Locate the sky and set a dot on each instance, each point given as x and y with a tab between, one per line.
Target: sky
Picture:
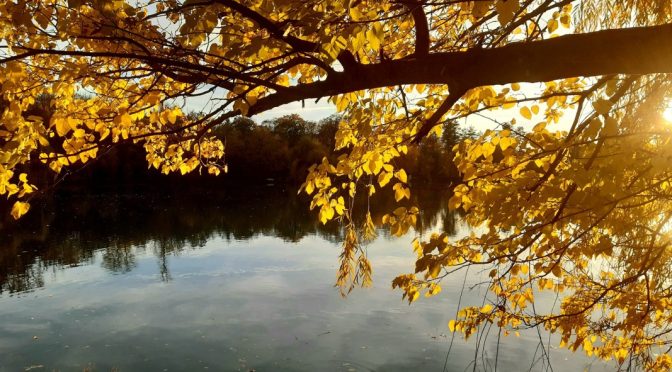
312	111
309	110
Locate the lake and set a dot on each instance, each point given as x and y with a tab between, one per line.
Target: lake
234	280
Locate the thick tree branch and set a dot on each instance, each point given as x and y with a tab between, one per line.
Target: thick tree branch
421	26
642	50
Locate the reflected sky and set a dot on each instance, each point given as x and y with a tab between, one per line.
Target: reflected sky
128	284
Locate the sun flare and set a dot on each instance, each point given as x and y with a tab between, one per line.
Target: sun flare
667	114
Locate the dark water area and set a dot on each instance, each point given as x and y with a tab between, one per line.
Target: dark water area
227	280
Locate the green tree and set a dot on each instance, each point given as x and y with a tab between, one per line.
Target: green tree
291	127
326	131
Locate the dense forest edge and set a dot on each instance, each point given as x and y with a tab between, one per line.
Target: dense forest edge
278	151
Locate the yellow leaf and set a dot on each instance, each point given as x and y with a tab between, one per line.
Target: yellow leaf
171	115
454	202
79	133
602	106
401	176
539	127
506	10
184	168
384	178
373	40
123	120
434	289
488	149
355	14
552	25
506	142
593	128
588	346
610	127
375	165
401	192
526	113
480	8
19	209
62	126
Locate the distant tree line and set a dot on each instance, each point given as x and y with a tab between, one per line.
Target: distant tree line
279	150
285	147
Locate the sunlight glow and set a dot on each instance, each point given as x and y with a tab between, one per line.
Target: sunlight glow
667	114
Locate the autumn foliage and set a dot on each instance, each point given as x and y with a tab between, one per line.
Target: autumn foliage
576	203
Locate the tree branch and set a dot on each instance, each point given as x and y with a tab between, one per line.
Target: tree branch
453	96
642	50
274	29
421	26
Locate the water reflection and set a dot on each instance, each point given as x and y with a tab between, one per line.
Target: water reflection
66	230
230	280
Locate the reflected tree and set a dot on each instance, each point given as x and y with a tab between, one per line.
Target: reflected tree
73	230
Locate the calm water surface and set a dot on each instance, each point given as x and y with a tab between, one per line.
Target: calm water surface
224	281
